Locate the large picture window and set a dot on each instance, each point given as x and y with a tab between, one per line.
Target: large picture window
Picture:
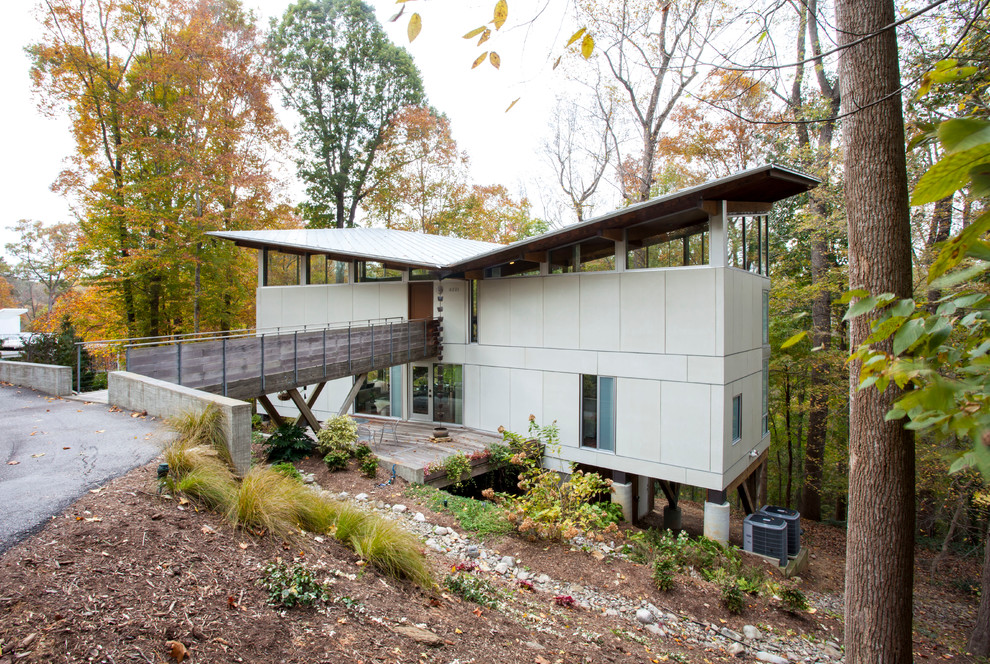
746	243
448	393
323	270
375	396
598	412
281	269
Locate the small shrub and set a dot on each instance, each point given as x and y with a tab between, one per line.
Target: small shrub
292	586
339	434
794	600
256	422
369	466
349	522
288	443
732	597
314	513
499	454
287	469
337	460
663	573
473	589
362	452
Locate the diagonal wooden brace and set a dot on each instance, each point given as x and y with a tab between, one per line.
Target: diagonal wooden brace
271	410
304	410
309	403
349	399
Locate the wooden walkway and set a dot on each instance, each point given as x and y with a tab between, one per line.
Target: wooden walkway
246	367
408	446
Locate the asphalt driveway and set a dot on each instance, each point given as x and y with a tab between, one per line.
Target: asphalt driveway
54	450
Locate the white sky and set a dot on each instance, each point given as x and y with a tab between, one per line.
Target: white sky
504	147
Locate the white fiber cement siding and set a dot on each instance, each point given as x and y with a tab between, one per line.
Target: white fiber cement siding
678	344
319	305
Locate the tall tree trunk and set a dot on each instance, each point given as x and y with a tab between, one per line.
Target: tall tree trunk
941	226
880	537
821	328
979	641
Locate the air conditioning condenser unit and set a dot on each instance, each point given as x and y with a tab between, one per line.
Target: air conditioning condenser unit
765	535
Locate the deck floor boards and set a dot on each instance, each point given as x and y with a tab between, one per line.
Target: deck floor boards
408	445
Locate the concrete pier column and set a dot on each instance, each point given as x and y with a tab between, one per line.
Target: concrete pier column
672	518
622	494
717	517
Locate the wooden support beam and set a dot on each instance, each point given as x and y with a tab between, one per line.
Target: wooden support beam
749	471
746	498
271	410
309	402
614	234
304	409
349	399
535	256
671	491
740	208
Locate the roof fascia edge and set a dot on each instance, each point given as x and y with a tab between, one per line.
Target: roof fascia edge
336	255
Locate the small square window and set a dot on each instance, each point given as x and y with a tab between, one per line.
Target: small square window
736	418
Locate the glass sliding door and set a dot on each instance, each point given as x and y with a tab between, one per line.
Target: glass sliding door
448	393
422	393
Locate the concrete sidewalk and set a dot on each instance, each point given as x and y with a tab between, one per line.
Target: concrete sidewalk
62	449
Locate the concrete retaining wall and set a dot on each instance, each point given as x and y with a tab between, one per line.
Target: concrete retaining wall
47	378
163	399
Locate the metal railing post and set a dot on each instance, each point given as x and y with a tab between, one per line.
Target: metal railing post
408	341
391	345
372	345
295	356
178	360
78	367
349	348
324	353
263	364
223	350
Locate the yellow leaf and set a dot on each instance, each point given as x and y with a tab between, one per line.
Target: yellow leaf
484	36
474	33
512	104
576	36
495	60
415	25
481	58
501	13
587	46
557	63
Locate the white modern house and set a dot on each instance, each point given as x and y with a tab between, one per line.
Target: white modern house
642	333
11	336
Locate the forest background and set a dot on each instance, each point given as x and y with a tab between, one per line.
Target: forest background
173	108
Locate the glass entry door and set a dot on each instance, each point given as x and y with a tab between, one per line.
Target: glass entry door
422	392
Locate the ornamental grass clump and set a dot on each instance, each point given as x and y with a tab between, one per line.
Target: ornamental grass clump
200	429
273	501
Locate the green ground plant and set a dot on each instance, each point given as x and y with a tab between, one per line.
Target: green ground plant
480	517
339	434
287	469
362	452
473	589
732	597
288	443
294	585
201	429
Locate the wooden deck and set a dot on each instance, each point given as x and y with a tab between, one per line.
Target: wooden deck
408	446
245	367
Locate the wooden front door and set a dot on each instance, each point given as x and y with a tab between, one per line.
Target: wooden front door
420	300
